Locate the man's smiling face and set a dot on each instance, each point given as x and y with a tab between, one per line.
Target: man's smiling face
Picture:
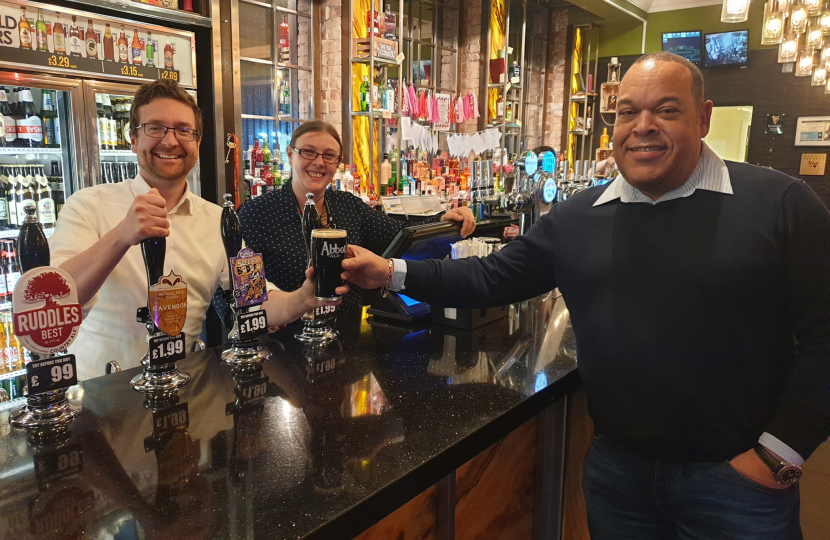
165	160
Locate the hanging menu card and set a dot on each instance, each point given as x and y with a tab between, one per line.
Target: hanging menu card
71	41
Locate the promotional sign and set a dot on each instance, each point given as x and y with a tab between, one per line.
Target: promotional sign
51	374
45	310
775	124
252	324
166	349
813	131
248	278
71	41
168	304
443	122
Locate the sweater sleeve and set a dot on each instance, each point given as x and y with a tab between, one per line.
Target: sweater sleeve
522	270
802	419
377	229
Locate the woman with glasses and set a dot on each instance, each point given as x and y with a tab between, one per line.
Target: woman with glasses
271	222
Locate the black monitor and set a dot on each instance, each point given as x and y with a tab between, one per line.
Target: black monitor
421	242
685	44
726	48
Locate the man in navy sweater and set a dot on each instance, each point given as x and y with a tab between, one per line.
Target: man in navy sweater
699	293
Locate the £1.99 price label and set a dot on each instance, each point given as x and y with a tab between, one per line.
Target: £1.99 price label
165	349
252	324
51	374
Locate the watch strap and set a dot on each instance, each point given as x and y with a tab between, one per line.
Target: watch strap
769	460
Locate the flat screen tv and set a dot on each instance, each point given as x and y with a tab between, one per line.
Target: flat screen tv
726	48
685	44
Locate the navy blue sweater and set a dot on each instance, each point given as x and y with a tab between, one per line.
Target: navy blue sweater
701	322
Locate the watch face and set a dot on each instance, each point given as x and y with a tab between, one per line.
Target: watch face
789	474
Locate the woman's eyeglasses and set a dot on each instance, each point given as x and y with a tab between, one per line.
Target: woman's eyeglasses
311	155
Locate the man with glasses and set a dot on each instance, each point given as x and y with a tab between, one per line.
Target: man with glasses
99	231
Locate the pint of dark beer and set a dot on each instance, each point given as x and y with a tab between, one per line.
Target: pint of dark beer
328	249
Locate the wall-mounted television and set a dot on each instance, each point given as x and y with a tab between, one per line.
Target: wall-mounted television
726	48
685	44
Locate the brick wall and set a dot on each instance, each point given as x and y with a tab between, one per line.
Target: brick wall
557	71
469	45
331	76
769	91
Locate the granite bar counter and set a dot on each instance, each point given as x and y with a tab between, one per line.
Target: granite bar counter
391	432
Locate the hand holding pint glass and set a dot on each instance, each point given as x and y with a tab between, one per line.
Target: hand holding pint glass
328	249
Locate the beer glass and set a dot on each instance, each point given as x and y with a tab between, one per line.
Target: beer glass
328	249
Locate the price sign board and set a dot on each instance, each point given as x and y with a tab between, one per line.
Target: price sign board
51	374
171	419
165	349
248	278
59	463
141	52
252	324
46	313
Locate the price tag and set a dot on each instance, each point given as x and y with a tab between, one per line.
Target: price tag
519	123
252	392
324	366
51	374
165	349
59	463
387	114
252	324
399	58
507	87
324	310
166	421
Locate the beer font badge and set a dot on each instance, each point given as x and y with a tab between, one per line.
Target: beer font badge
46	312
168	304
248	278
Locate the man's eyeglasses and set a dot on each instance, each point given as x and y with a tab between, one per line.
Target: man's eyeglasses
157	131
311	155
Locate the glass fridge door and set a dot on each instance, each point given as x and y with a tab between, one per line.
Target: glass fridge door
107	117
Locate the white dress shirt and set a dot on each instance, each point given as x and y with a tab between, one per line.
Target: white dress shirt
194	251
710	174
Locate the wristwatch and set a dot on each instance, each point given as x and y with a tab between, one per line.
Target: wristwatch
786	473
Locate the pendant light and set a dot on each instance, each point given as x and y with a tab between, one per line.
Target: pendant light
819	76
804	64
773	29
788	49
734	11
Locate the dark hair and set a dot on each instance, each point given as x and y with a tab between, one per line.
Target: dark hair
316	126
697	76
163	88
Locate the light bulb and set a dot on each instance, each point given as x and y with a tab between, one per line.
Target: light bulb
773	27
736	7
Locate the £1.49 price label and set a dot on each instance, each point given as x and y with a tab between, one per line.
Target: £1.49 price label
165	349
252	324
51	374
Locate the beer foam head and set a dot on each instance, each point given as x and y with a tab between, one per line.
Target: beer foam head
328	233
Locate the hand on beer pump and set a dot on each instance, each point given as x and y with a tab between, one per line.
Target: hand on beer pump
365	269
146	218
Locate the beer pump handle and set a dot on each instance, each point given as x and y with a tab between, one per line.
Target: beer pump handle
153	251
311	221
231	228
32	246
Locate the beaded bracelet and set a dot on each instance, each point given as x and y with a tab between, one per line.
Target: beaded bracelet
384	291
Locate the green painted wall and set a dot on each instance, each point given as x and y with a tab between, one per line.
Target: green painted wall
623	38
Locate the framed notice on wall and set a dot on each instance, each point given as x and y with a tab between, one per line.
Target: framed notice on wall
813	131
812	164
77	43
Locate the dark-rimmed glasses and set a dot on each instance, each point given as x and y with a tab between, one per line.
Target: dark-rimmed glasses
311	155
157	131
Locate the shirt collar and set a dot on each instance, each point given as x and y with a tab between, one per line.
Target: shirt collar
710	174
139	186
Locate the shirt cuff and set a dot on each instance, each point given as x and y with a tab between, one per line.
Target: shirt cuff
775	445
398	275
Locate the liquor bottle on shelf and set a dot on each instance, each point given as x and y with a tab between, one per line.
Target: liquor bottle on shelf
128	105
168	55
47	117
286	99
135	49
103	123
112	127
41	38
150	50
373	199
500	107
11	196
25	194
348	179
91	41
59	35
109	48
123	48
589	121
285	44
373	22
4	203
389	99
56	184
604	138
358	187
9	128
365	98
508	114
385	174
45	203
515	73
25	30
12	268
76	40
389	23
375	95
29	125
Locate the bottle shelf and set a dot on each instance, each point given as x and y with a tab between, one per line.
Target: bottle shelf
379	114
378	61
13	233
12	374
583	97
22	150
117	153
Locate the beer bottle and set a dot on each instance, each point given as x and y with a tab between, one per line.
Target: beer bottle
128	105
45	202
168	55
111	127
32	244
13	273
25	30
41	38
109	51
231	228
9	127
118	105
29	126
76	41
11	197
150	50
91	41
4	203
103	123
123	53
4	367
4	273
58	35
135	49
48	115
56	184
25	194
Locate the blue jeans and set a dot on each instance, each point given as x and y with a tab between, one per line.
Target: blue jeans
632	497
